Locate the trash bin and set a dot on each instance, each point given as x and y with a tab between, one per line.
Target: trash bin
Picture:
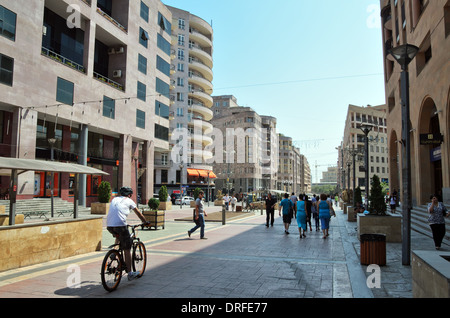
373	249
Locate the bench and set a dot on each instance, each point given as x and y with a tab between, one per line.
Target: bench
38	213
63	212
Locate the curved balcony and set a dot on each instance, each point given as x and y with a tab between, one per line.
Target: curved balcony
206	127
201	82
201	68
200	24
203	111
198	37
206	99
386	16
202	55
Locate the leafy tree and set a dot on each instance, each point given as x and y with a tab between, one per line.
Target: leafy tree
104	192
196	193
358	196
162	194
153	204
377	203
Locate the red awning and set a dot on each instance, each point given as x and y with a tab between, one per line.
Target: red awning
203	173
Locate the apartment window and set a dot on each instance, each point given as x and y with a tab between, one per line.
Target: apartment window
109	107
181	54
180	39
143	37
141	91
162	110
164	24
180	67
162	65
6	70
140	119
144	11
181	24
64	91
163	44
180	112
161	132
180	81
142	64
7	23
180	97
162	88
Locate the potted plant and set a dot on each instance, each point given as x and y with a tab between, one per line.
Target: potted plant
104	196
154	217
163	203
378	221
219	201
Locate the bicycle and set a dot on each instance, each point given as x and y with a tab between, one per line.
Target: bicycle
114	264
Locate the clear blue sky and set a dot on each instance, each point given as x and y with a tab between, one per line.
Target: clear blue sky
301	61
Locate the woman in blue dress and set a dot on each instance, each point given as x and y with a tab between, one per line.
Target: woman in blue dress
324	214
301	216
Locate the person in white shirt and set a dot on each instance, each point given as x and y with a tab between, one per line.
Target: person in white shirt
227	201
116	223
233	202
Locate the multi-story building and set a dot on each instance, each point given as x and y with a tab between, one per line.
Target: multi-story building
85	81
425	24
354	142
191	88
246	159
330	175
294	173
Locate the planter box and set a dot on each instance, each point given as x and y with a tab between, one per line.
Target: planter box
351	214
430	274
99	208
390	225
156	218
4	219
165	206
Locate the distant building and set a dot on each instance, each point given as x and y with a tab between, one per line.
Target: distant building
330	176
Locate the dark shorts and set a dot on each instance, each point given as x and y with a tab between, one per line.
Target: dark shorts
124	236
287	218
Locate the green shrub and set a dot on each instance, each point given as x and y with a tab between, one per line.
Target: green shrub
104	192
163	194
153	204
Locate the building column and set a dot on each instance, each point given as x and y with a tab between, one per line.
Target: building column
125	162
148	153
82	160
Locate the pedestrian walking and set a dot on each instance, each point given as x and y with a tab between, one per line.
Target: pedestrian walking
308	212
294	200
233	202
392	203
227	201
199	217
286	206
301	216
315	212
324	207
336	200
437	211
270	209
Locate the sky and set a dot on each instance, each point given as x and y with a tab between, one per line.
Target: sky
301	61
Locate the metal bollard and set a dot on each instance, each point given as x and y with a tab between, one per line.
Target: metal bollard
223	215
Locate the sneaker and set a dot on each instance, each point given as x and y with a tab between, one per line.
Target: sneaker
189	233
203	238
133	275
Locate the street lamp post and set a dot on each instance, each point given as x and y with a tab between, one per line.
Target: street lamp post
404	54
366	128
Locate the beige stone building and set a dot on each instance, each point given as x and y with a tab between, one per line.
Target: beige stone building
85	81
425	24
294	173
191	77
246	157
354	142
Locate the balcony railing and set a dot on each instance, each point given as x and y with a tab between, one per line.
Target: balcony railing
63	60
112	20
108	81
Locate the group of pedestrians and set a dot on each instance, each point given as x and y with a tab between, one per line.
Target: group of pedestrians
303	209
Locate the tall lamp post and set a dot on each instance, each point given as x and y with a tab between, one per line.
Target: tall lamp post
366	128
404	54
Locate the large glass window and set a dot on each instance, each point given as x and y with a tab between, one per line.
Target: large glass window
162	88
164	23
7	23
109	107
6	70
143	37
163	44
141	91
161	132
162	65
144	11
142	64
162	110
140	119
64	91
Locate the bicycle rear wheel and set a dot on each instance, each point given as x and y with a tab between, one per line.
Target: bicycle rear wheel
139	258
111	272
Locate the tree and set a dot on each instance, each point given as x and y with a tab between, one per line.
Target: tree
196	193
162	194
358	196
376	198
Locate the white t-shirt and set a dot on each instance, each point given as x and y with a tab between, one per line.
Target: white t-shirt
118	211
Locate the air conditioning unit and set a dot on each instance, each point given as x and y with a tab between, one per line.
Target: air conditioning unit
117	73
111	51
120	50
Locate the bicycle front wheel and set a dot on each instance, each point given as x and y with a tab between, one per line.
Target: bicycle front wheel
139	258
111	272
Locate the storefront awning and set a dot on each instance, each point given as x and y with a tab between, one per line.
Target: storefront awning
192	172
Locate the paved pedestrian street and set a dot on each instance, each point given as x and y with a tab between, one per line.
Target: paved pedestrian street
242	259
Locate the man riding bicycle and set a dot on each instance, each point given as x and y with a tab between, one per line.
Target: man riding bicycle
116	224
